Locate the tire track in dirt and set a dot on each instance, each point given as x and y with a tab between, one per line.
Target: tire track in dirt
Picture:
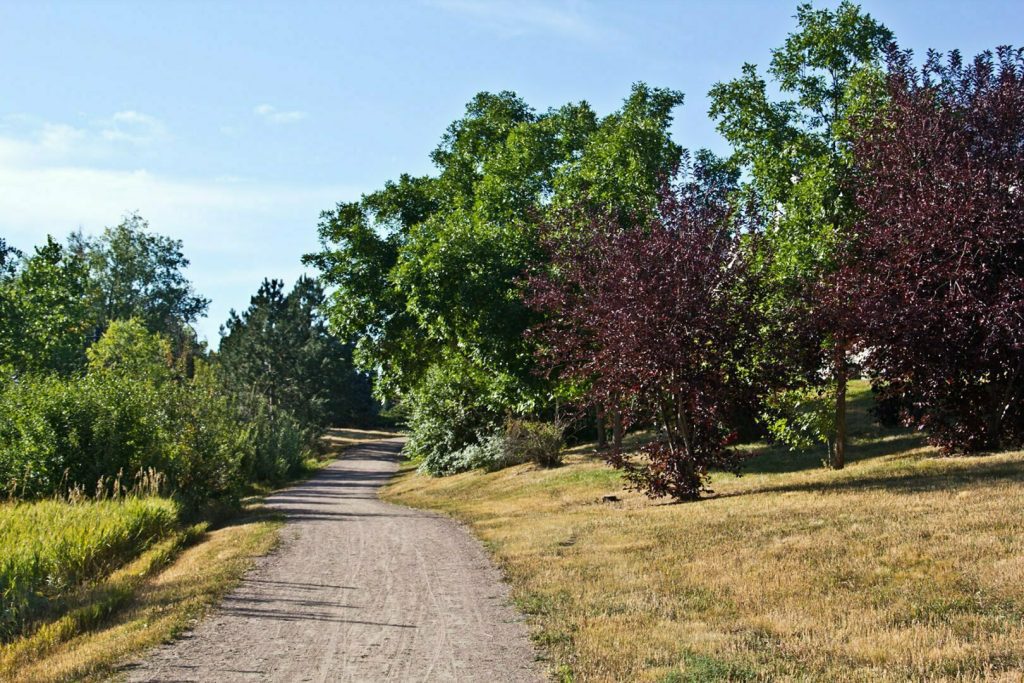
360	590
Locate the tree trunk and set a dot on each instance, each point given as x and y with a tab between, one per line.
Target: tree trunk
838	454
683	421
602	434
617	427
995	419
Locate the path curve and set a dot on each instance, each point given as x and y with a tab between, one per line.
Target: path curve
360	590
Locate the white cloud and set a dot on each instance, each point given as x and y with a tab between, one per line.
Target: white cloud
271	114
26	140
59	137
43	143
132	127
133	117
220	217
521	17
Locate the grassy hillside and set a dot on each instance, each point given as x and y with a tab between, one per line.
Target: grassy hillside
903	566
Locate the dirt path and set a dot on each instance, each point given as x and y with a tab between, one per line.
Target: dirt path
360	590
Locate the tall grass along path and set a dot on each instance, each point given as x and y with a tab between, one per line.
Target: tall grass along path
360	590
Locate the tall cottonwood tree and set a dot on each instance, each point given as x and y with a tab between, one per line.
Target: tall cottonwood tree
797	154
426	272
140	274
625	160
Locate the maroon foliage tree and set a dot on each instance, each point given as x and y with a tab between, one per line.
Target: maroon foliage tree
938	268
654	319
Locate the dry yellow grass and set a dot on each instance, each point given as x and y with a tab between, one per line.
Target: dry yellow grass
904	566
144	603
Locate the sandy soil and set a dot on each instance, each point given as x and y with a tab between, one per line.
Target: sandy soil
360	590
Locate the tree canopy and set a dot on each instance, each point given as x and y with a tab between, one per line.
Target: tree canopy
797	155
280	348
46	316
428	270
654	318
937	270
136	273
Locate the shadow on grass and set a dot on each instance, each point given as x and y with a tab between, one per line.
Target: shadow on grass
779	460
902	481
867	440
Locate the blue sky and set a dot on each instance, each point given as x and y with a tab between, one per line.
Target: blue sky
231	125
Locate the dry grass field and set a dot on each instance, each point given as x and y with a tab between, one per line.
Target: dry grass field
904	566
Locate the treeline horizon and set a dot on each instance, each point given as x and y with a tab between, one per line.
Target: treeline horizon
105	389
866	222
588	272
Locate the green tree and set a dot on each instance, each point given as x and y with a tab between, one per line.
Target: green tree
796	152
128	348
625	159
426	268
280	348
458	269
46	318
430	266
427	273
135	273
8	256
361	242
8	311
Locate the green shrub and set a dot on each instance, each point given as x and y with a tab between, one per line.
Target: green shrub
97	433
49	548
532	441
278	445
489	453
518	442
134	412
208	445
57	434
450	410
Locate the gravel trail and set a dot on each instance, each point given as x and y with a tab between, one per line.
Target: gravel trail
360	590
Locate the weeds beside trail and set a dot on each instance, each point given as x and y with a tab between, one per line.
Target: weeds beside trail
146	602
904	566
91	584
52	547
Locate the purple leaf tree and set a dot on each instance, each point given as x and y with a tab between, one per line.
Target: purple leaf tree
653	319
937	273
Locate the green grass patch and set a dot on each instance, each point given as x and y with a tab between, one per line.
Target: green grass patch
50	548
112	578
699	668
